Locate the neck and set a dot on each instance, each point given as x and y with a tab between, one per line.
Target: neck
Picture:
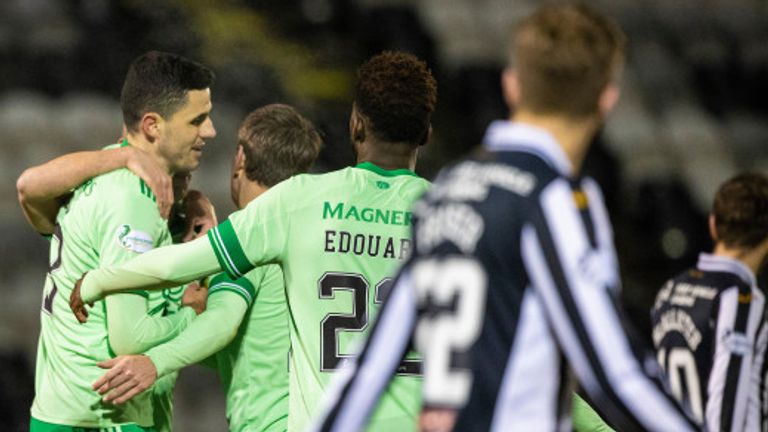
752	258
389	156
249	191
573	135
140	142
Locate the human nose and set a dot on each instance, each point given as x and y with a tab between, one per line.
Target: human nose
207	130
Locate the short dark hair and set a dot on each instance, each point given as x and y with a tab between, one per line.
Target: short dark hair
278	143
397	93
565	55
741	211
159	82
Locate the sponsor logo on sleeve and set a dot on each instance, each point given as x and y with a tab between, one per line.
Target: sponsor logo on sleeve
736	343
133	240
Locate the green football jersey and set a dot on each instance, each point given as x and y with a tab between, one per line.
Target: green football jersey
585	418
254	367
339	237
109	219
164	303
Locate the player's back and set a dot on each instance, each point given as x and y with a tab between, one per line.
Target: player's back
482	208
347	244
702	315
89	235
489	230
338	237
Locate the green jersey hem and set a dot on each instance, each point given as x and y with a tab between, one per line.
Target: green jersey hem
383	172
36	425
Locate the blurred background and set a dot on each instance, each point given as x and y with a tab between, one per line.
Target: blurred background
693	113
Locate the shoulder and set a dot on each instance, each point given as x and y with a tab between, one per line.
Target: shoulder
327	179
121	199
298	191
473	179
121	183
706	285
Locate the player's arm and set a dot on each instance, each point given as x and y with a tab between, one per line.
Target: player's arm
738	318
131	329
157	269
228	302
127	226
358	385
581	309
261	230
41	189
210	332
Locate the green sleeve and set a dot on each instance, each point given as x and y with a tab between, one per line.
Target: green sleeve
160	268
130	225
131	330
209	333
586	419
256	235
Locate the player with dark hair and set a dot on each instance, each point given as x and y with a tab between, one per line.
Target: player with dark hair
513	278
338	237
107	220
706	320
274	143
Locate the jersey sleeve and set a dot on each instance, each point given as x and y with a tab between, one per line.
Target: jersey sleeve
728	390
357	386
154	270
244	287
256	235
131	330
129	226
207	334
580	307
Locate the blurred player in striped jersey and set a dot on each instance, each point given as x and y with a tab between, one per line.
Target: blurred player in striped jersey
512	284
274	143
109	219
707	320
338	238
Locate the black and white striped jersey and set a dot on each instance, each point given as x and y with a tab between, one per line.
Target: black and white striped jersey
705	327
511	287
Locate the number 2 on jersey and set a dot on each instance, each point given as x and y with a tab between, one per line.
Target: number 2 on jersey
451	296
49	293
357	321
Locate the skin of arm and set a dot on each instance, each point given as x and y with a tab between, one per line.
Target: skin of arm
42	189
211	331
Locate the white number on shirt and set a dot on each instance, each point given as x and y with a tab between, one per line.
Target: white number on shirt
451	294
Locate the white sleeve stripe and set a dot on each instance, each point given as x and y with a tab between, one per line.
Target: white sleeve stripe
537	269
756	397
520	394
723	391
601	219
